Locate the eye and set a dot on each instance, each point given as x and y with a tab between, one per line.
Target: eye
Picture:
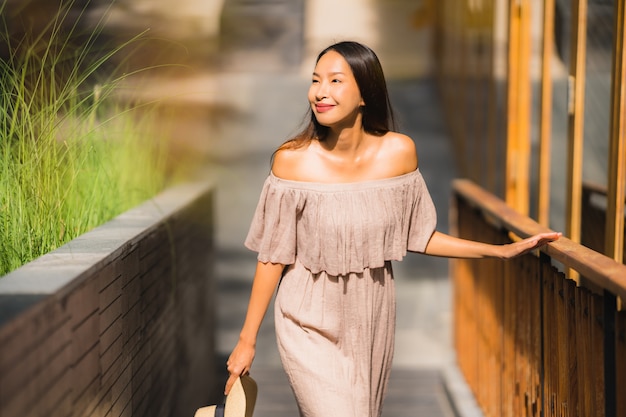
314	81
336	80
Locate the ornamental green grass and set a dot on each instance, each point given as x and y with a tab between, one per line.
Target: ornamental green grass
71	157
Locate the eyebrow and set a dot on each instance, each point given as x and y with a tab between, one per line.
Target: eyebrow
332	73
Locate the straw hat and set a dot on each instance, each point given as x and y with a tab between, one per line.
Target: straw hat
238	403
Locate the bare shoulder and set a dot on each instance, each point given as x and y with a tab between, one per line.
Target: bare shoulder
287	162
400	149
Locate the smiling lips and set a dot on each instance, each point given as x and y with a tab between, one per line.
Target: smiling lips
321	108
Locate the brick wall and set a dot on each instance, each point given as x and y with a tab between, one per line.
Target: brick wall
119	322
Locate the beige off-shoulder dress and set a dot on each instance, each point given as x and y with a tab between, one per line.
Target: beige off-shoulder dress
335	305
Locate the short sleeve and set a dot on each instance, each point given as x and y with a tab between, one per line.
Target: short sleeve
273	230
422	218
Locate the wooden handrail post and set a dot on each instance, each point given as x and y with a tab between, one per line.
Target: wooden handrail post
614	232
545	124
576	116
518	107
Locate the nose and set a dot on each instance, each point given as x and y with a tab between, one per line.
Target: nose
321	90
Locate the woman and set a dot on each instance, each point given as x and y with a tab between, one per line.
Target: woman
344	198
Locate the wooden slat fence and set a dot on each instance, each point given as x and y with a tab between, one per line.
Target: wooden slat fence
529	341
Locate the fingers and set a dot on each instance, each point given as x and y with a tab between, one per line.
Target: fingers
229	383
530	244
234	374
235	370
231	380
544	238
549	235
541	239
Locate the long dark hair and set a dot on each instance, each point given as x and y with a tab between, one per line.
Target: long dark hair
378	117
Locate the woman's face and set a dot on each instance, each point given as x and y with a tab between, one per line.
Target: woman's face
334	94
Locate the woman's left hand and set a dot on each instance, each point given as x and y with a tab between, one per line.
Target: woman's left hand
529	244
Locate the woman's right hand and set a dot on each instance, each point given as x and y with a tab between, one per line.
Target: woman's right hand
239	362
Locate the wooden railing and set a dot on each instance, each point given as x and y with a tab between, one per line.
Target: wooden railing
530	341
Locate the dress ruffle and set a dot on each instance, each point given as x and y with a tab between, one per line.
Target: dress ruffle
342	228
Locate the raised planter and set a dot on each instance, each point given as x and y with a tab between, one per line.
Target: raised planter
118	322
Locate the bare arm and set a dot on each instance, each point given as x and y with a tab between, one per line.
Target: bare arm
265	281
444	245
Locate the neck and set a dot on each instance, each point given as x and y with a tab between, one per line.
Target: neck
346	141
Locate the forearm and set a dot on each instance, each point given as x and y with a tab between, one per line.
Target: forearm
265	281
441	244
448	246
